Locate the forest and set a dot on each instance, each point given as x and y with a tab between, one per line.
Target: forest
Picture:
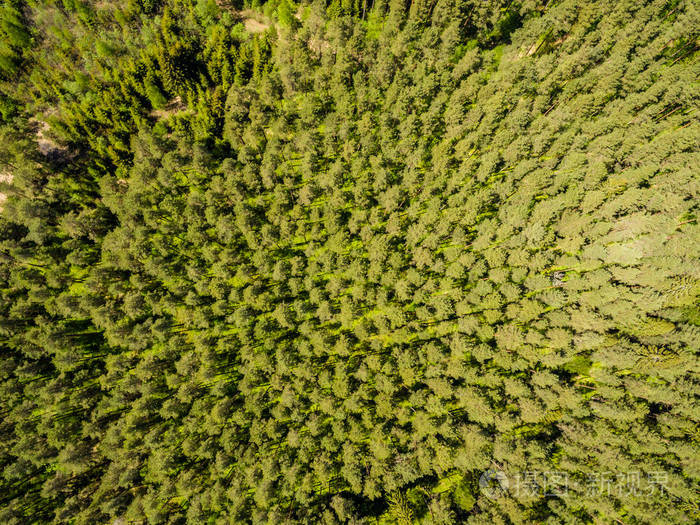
349	261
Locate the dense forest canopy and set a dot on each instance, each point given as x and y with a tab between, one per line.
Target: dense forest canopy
428	261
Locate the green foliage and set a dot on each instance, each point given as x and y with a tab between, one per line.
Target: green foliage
15	40
155	95
285	14
400	509
335	270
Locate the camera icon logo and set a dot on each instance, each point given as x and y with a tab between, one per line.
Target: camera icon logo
493	484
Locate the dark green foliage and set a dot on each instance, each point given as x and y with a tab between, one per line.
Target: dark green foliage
336	269
15	40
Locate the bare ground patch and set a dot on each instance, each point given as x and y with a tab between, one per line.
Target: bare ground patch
254	26
253	21
5	177
171	108
47	145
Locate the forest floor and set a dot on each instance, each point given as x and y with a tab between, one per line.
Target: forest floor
46	145
4	177
173	106
253	21
44	142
